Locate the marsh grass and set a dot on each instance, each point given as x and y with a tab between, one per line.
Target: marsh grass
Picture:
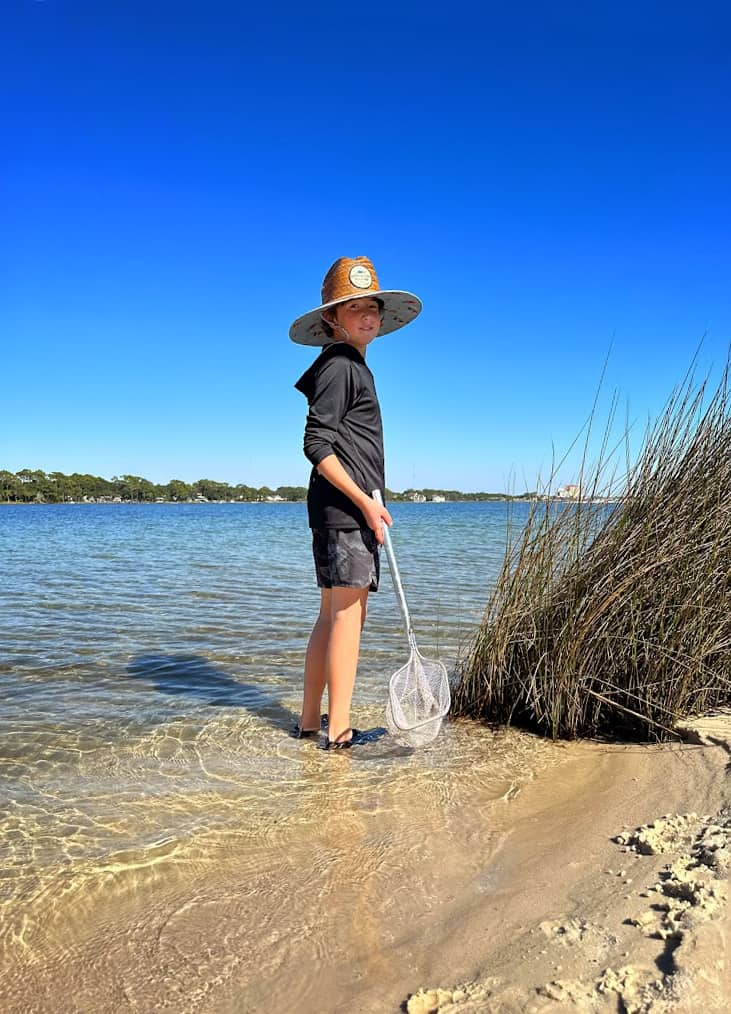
612	613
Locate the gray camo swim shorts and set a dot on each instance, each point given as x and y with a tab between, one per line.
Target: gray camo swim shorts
346	559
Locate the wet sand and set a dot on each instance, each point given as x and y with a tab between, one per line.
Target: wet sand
469	889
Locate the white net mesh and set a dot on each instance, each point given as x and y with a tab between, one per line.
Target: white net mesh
418	700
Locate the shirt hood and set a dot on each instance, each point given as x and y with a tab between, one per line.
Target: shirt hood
306	383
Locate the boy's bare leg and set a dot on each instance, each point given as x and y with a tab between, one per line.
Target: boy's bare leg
316	664
347	615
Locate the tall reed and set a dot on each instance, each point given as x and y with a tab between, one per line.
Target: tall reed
615	617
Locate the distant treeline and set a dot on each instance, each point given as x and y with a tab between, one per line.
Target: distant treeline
35	486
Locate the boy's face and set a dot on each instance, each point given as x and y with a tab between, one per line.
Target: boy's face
361	318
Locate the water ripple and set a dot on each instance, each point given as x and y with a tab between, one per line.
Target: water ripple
150	667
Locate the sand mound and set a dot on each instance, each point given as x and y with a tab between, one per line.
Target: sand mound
469	998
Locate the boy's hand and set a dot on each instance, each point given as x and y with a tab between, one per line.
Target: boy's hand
375	514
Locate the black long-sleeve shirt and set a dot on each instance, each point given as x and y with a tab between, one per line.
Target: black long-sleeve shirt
345	420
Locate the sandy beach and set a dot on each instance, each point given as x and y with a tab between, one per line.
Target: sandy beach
598	884
611	895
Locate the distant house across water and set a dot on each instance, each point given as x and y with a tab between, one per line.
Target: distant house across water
571	491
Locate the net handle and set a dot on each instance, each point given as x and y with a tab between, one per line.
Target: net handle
396	577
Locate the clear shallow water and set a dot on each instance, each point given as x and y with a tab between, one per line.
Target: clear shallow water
150	666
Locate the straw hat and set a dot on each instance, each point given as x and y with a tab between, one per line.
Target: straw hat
353	278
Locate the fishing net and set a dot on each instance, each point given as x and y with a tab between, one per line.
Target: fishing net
418	699
418	692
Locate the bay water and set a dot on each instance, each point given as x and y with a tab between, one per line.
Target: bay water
163	842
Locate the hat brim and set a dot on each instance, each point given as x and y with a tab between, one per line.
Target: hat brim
399	309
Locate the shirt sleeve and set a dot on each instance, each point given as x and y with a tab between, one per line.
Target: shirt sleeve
331	398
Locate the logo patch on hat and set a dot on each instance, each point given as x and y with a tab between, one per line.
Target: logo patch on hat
360	277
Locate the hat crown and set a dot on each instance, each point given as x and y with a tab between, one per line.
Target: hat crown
348	278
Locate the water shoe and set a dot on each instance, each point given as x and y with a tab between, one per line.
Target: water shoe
298	733
358	737
344	744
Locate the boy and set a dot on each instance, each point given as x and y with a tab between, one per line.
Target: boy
344	442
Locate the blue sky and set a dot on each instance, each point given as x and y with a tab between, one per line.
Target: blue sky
177	177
